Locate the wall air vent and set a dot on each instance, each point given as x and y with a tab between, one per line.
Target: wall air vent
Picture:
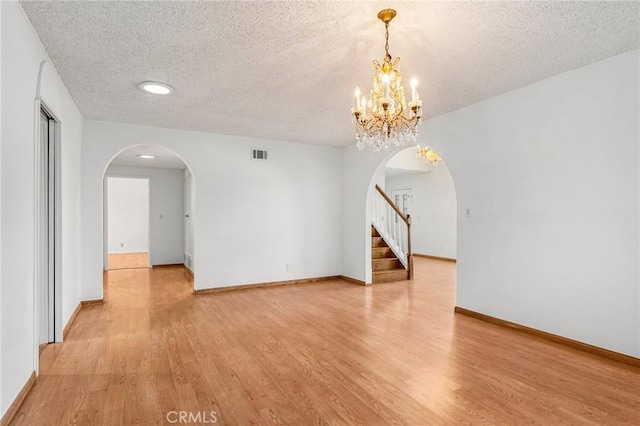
258	154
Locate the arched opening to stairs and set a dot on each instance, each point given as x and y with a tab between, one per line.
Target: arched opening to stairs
408	188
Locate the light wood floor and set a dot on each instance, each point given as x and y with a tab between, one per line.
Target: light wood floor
128	260
327	353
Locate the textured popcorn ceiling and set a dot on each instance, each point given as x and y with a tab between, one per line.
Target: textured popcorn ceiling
287	70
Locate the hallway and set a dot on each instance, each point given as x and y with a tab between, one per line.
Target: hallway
325	353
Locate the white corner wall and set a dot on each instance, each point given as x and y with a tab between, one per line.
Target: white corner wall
22	54
128	215
433	211
166	198
361	170
2	409
551	174
253	218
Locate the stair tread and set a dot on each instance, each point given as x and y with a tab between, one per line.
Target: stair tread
380	277
385	271
388	271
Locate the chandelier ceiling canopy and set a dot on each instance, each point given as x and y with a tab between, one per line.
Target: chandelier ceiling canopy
384	120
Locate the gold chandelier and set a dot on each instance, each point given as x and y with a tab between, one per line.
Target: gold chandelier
384	120
428	155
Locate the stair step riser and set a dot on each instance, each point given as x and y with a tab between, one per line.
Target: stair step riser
386	264
378	242
380	252
390	276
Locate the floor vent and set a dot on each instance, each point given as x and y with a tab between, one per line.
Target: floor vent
258	154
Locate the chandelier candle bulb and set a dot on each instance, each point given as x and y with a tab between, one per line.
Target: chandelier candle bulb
385	80
364	107
414	85
357	95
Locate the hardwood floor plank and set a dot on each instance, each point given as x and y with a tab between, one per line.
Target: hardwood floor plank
128	260
325	354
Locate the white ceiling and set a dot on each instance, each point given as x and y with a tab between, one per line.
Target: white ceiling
287	70
164	158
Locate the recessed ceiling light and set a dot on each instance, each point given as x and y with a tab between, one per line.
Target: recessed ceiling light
156	87
146	156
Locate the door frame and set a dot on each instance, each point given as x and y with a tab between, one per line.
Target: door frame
188	232
105	214
409	197
53	240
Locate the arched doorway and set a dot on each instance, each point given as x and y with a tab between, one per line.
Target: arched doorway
158	177
424	191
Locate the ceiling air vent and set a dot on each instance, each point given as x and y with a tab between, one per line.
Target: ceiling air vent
258	154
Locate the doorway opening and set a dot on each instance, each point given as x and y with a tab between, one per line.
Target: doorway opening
425	193
48	270
127	222
160	232
189	210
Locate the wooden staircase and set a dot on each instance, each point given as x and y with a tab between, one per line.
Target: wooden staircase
385	265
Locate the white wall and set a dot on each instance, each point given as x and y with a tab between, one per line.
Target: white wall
128	215
360	173
407	159
551	174
166	195
2	409
21	56
253	217
380	180
433	211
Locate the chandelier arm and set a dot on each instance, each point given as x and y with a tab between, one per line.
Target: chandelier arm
371	124
400	105
362	126
406	124
399	122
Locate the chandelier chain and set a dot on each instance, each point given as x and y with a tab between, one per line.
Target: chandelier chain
386	38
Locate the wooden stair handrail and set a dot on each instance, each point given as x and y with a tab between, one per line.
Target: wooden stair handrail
392	204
